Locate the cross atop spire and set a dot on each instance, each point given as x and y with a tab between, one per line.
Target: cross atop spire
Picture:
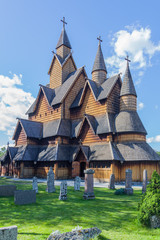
99	39
63	20
128	60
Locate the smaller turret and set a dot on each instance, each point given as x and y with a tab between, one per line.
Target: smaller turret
128	96
99	71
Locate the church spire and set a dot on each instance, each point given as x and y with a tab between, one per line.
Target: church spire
99	70
128	85
63	40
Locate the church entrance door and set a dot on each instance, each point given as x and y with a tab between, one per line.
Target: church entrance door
82	168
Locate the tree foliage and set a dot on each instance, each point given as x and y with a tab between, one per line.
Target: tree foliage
150	203
2	151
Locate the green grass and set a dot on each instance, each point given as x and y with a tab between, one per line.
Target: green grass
115	215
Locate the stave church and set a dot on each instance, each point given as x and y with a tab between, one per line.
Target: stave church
77	123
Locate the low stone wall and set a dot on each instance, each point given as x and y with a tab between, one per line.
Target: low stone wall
22	197
80	234
7	190
8	233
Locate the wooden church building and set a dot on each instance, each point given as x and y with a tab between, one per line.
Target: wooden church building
77	123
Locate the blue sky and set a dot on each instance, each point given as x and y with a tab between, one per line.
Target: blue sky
30	31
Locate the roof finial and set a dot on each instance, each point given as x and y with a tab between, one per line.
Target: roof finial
99	39
128	60
63	20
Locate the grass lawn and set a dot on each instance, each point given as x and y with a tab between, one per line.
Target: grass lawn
115	215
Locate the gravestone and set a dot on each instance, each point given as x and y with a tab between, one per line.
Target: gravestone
128	184
144	181
8	233
155	221
76	234
63	191
77	183
88	192
7	190
35	184
50	181
22	197
112	182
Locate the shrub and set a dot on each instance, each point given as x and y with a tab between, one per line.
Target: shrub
120	191
150	203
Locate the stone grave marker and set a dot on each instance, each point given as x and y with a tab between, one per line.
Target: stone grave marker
144	186
63	191
112	182
7	190
50	181
77	183
35	184
22	197
8	233
89	193
128	183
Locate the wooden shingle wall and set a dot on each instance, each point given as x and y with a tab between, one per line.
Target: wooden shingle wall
68	68
89	106
63	51
129	137
99	76
44	112
22	139
56	74
79	83
113	99
128	103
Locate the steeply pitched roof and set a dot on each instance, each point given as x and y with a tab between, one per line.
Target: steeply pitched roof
65	87
137	151
59	127
107	87
63	40
128	85
104	152
129	121
32	129
99	63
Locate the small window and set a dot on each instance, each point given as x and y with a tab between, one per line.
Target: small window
35	117
40	115
51	112
45	114
57	109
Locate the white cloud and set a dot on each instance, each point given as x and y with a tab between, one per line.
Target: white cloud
140	106
153	139
14	102
137	44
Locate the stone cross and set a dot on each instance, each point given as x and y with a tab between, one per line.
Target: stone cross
63	191
112	182
35	184
89	193
128	184
77	183
50	181
63	20
144	181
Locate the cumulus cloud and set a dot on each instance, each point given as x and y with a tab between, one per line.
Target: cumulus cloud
14	102
153	139
140	106
137	44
